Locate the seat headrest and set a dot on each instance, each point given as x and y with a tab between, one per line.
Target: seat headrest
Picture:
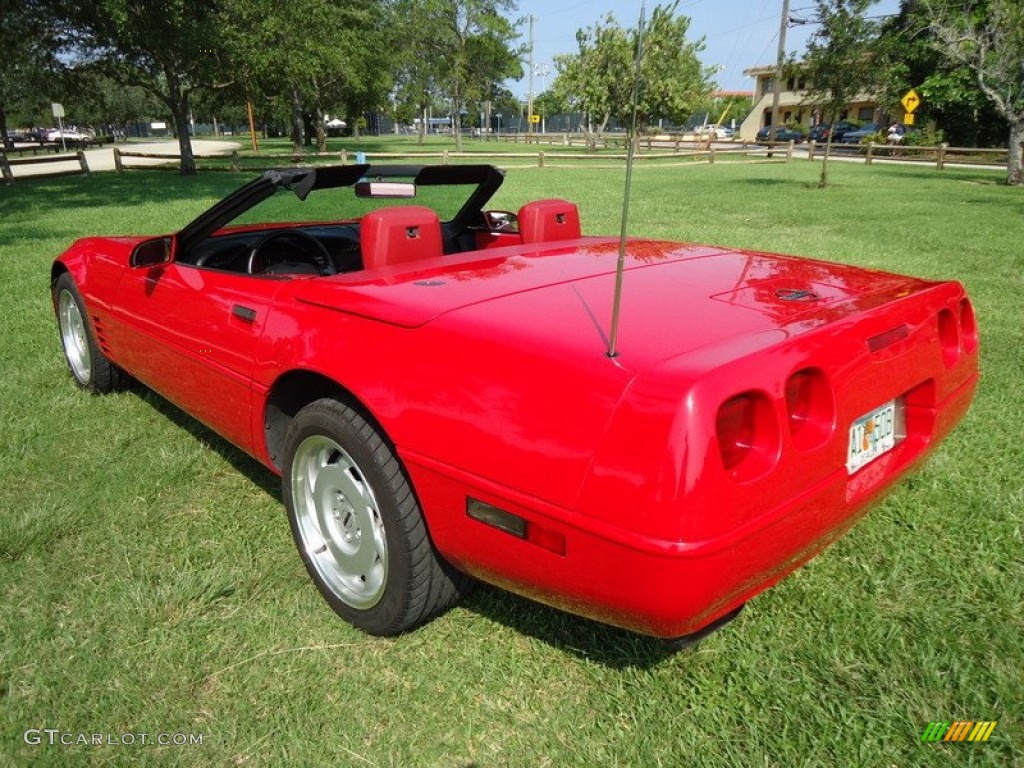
400	234
545	221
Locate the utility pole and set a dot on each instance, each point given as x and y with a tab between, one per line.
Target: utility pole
529	110
779	64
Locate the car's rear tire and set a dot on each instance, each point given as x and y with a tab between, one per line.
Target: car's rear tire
358	526
90	368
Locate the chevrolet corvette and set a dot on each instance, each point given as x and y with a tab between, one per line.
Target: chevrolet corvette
434	384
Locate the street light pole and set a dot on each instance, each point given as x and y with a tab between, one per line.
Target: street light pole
780	61
529	113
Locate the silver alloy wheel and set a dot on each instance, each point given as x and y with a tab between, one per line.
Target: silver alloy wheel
339	522
74	336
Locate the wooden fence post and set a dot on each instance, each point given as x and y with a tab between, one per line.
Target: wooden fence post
235	160
940	158
344	157
870	154
789	150
6	168
810	150
711	155
84	163
540	159
118	165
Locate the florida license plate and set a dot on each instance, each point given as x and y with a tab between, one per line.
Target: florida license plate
872	435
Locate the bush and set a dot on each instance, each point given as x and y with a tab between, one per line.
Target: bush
926	138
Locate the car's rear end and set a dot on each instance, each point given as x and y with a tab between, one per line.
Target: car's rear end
799	392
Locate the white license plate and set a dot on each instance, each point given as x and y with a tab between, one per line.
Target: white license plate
872	435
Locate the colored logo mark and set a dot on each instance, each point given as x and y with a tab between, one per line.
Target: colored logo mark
962	730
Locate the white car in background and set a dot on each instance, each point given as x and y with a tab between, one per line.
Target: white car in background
68	134
715	131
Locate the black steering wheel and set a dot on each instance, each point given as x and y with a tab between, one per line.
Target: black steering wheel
297	247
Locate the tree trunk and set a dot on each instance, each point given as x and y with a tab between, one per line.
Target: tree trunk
457	123
823	181
1015	166
321	132
177	102
6	142
296	122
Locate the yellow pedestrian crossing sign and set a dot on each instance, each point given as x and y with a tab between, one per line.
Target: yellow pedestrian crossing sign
910	101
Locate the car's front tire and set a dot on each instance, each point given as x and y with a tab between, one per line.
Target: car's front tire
90	368
357	524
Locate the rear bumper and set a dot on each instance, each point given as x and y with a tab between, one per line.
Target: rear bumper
650	585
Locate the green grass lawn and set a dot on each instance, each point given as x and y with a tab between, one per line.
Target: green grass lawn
150	583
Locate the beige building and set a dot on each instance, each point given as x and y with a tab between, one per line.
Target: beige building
794	103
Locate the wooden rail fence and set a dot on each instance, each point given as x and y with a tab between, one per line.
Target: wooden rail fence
6	163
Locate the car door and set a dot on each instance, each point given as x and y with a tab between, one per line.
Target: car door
190	333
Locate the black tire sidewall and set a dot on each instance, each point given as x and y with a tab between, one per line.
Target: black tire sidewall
364	443
97	361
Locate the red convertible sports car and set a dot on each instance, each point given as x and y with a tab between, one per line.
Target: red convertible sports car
432	381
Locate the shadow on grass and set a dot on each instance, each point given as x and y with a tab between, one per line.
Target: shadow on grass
41	196
245	464
763	182
586	639
609	646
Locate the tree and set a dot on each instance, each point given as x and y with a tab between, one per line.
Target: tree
277	59
29	67
839	63
458	48
949	93
169	49
988	38
598	79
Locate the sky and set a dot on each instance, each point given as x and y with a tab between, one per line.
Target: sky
738	34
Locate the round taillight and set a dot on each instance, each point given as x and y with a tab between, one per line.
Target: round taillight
810	408
748	435
969	326
949	337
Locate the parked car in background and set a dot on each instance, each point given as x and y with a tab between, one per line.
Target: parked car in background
69	136
862	133
822	131
715	131
782	133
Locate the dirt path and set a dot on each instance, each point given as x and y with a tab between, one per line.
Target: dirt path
102	159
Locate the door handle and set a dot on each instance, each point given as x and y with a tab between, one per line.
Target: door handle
244	313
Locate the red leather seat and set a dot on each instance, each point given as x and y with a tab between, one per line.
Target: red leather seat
545	221
400	234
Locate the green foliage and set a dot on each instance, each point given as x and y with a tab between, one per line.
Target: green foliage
839	61
459	49
28	65
599	78
988	39
929	137
294	77
950	97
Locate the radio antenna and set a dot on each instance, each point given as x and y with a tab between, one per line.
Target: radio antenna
620	267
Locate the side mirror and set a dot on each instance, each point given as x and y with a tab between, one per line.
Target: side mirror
151	252
501	221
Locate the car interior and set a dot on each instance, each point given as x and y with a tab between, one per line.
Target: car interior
384	236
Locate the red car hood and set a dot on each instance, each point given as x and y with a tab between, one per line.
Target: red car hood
677	297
